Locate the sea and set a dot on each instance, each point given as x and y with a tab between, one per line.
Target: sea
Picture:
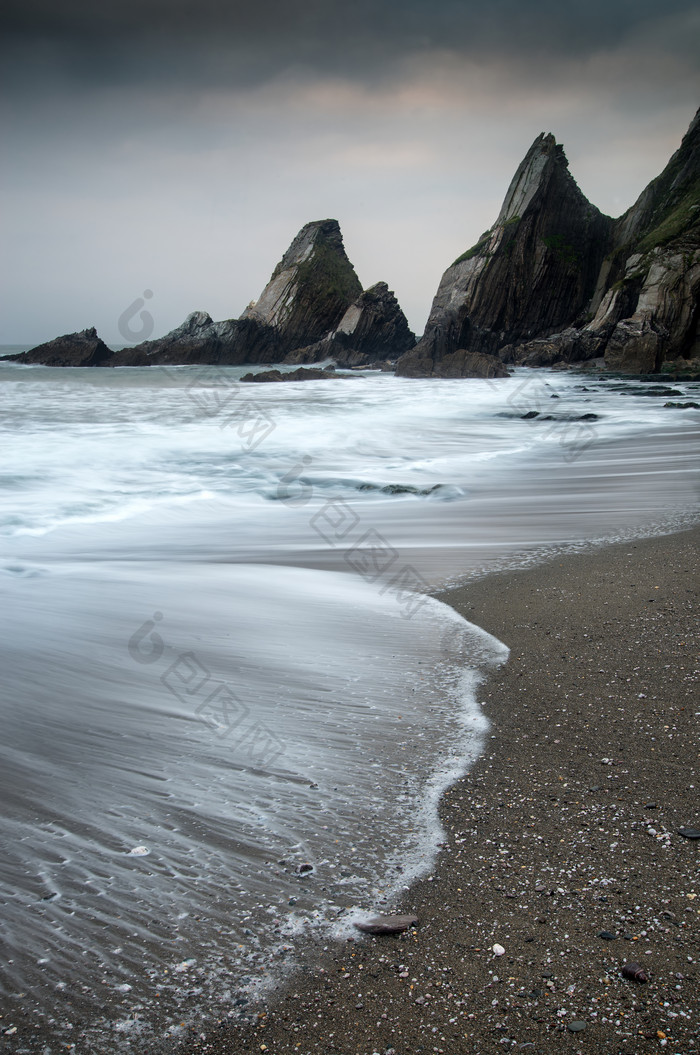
231	697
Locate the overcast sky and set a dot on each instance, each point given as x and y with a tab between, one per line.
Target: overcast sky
178	146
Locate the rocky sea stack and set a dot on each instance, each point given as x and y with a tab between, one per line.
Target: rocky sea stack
313	303
552	282
555	281
530	273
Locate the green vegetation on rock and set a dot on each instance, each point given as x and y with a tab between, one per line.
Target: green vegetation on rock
326	278
565	253
676	221
476	250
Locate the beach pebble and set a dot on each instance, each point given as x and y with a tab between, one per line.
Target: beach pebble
607	934
634	972
498	949
139	851
576	1027
689	833
386	924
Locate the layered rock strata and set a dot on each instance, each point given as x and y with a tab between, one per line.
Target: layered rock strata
554	281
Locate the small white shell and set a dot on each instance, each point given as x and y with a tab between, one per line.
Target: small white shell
498	949
139	851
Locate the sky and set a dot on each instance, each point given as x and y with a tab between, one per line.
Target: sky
177	147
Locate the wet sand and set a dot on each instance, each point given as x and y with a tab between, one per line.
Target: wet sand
566	827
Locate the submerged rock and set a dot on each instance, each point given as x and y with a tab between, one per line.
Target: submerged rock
293	375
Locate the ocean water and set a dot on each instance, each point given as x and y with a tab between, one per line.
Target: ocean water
229	700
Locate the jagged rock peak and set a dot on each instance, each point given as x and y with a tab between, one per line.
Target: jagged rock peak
197	324
528	177
310	289
544	159
643	316
318	232
376	323
531	273
373	328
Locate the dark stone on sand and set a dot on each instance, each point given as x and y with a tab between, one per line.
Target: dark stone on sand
576	1027
689	833
305	869
387	924
607	934
634	972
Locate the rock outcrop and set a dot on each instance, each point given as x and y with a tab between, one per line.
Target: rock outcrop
310	289
552	282
460	363
534	271
556	282
373	329
306	300
306	297
301	374
73	349
649	313
198	340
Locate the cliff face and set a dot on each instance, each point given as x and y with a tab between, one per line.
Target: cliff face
644	316
529	274
649	313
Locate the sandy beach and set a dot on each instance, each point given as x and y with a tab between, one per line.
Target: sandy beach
562	845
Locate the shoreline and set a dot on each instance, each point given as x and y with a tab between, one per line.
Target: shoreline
602	649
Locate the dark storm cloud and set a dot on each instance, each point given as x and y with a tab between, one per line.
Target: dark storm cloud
210	41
